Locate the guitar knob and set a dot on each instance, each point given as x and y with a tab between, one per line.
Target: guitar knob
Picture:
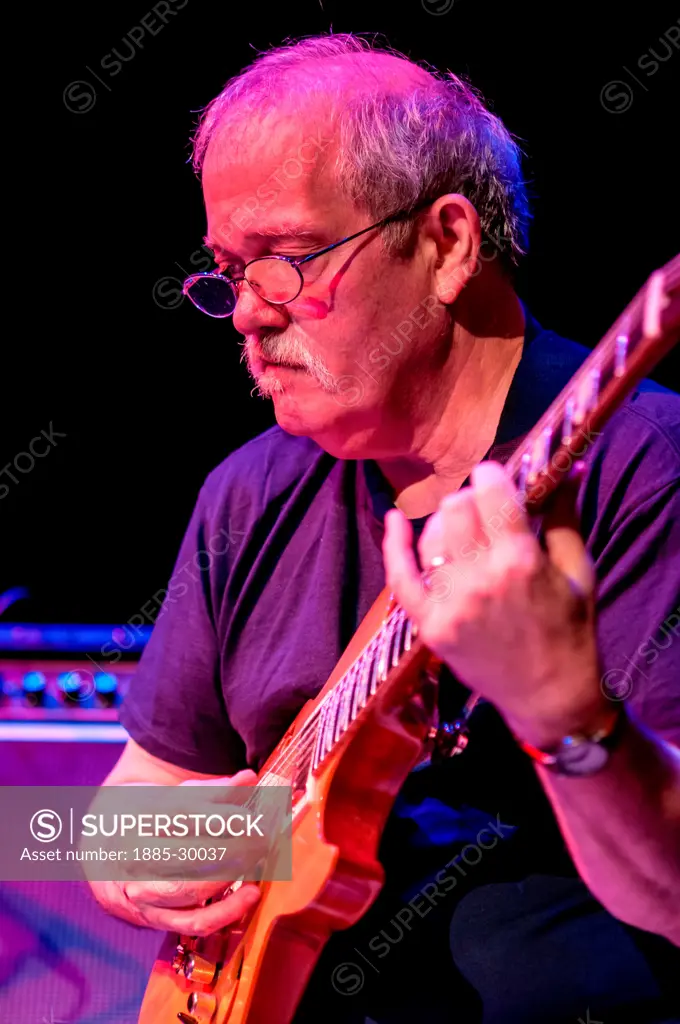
198	969
202	1005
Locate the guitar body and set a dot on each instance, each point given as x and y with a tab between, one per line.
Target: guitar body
337	826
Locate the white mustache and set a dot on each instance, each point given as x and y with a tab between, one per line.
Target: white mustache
291	350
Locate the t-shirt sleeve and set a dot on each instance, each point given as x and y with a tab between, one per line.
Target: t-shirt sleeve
174	707
632	499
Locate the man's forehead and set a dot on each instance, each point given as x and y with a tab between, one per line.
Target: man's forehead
283	191
264	148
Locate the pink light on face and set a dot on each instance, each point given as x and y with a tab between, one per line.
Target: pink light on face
313	308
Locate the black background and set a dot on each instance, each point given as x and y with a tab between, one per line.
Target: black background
151	398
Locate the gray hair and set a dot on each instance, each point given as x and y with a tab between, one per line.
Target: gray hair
398	145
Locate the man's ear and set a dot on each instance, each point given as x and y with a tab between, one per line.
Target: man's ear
455	230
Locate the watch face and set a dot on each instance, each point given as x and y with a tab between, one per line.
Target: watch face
582	758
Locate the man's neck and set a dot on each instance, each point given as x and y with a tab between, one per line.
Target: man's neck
478	378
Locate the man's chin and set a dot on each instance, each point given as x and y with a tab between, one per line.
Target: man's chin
299	413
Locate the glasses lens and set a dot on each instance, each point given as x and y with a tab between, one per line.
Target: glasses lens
212	295
273	279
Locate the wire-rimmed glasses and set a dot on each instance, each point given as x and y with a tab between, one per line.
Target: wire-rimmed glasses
276	279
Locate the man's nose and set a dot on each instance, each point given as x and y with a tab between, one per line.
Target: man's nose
253	312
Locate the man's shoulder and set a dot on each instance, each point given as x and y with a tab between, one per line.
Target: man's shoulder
656	411
631	488
263	470
642	439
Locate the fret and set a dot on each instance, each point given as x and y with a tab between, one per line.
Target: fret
361	695
653	302
375	663
523	472
382	660
316	760
621	355
300	768
595	380
398	648
342	688
354	706
411	633
589	390
568	422
347	685
329	724
541	453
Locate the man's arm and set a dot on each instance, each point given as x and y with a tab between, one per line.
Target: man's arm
519	630
136	766
622	827
175	714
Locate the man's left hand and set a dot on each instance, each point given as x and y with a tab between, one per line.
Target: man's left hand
514	623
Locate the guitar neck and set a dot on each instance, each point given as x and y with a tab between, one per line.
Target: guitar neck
643	334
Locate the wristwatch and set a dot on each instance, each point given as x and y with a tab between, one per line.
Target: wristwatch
581	753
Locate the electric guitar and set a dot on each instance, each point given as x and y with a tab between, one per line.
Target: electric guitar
349	751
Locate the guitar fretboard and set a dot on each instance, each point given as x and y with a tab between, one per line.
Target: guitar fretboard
352	693
344	702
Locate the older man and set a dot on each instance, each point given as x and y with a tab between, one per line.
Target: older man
403	369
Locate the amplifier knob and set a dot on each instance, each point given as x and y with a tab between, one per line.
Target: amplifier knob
33	685
106	687
73	686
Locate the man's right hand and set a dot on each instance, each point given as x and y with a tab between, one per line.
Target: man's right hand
178	906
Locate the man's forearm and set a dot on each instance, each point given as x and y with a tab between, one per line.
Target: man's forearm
622	826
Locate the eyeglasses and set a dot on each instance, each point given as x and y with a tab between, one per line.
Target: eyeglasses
276	279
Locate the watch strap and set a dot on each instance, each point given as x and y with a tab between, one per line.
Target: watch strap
556	758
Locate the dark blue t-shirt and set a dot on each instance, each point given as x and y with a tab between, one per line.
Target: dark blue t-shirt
483	918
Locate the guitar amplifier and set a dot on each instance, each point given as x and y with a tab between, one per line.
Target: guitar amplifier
62	958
